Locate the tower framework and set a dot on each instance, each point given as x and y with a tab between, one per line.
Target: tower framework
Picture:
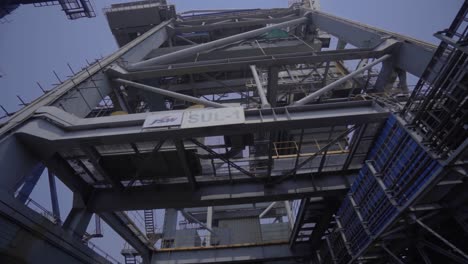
260	140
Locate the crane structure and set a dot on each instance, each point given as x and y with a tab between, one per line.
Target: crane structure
74	9
284	135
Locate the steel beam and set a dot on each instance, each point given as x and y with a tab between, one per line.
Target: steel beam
214	44
232	254
184	163
321	227
60	167
443	251
272	91
77	221
235	51
53	196
221	157
128	128
313	156
189	216
30	182
261	92
335	84
390	253
129	52
262	214
299	221
169	93
243	63
220	192
17	163
441	238
95	159
232	25
30	237
413	56
121	224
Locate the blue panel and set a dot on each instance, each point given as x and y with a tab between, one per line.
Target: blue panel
403	166
30	181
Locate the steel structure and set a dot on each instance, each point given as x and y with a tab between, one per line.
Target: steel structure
253	137
74	9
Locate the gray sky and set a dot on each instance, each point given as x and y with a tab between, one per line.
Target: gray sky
40	40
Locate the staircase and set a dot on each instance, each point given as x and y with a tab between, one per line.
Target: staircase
149	223
313	219
130	259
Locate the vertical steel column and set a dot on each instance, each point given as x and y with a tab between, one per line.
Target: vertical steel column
209	223
272	89
287	205
53	196
261	92
30	182
169	228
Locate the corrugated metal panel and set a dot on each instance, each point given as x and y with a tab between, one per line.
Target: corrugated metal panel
242	230
275	232
187	238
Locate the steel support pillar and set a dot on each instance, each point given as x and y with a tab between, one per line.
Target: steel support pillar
79	217
179	144
30	182
209	224
272	91
16	163
169	228
289	213
53	196
261	92
122	225
387	76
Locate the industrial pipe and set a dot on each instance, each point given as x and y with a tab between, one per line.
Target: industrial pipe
213	44
287	205
188	215
209	223
260	90
170	94
266	210
333	85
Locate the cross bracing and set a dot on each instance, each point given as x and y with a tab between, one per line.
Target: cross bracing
287	135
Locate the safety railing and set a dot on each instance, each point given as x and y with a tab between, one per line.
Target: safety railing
232	232
43	211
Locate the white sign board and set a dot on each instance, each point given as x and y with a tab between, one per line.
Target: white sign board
163	119
213	117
